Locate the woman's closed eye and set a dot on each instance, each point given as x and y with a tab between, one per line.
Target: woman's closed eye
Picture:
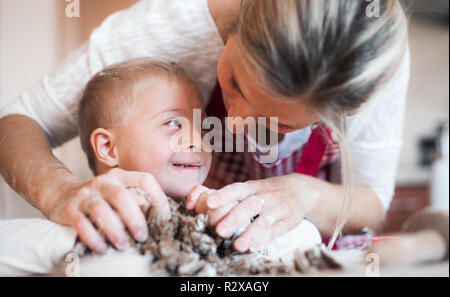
234	85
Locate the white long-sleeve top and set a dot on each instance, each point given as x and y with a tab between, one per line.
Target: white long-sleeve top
184	32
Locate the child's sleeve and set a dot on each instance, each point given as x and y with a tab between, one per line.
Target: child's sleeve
33	246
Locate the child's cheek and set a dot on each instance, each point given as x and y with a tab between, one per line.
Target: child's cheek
157	154
142	153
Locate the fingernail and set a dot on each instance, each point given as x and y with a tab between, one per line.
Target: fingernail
213	201
123	245
241	245
101	248
223	230
142	235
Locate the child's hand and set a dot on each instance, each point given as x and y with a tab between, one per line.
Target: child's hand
196	200
111	202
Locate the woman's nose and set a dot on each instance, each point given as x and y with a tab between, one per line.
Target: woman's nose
240	119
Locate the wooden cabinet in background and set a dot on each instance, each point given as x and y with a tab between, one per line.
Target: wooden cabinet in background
407	200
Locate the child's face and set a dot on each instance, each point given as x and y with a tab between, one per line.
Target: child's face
144	139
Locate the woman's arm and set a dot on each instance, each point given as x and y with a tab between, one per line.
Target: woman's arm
366	209
109	201
27	162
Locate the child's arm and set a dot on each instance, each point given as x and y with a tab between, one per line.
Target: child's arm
33	246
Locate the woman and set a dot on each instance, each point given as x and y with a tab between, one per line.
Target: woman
304	61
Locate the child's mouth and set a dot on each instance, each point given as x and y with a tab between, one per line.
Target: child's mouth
187	166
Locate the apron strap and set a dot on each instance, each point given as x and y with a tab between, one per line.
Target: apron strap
314	151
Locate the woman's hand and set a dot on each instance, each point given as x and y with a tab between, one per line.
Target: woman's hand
112	202
266	209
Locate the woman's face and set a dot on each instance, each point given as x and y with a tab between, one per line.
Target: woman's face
244	97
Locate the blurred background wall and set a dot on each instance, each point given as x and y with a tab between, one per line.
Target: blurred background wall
36	35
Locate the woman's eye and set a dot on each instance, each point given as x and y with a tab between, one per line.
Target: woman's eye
174	124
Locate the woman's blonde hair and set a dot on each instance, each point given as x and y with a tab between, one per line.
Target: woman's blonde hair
333	55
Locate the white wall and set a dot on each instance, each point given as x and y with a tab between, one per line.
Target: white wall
28	39
27	51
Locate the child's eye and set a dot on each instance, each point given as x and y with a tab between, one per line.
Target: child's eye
174	124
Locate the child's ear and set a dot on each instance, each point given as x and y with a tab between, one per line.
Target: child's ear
104	147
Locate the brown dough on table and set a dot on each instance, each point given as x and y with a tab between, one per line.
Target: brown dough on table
184	245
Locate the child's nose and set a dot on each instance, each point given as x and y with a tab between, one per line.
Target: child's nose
195	140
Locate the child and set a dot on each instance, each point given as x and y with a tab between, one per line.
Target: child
130	116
